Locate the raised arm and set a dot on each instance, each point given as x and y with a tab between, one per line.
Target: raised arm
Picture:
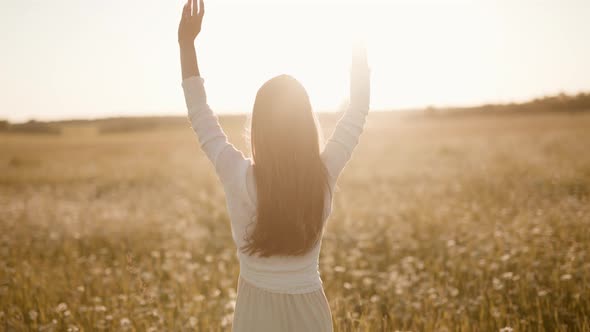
188	30
340	145
228	161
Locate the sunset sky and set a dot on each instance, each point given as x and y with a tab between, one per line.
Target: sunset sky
80	59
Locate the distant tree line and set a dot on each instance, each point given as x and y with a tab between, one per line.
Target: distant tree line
113	125
30	127
557	103
579	102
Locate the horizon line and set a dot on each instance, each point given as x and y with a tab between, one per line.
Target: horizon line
224	113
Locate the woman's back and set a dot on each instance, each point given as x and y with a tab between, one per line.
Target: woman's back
285	274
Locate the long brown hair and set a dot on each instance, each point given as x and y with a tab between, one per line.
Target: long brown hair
291	180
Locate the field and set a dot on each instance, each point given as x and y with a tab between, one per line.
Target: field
440	223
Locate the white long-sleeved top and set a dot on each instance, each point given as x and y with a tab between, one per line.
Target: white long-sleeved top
281	274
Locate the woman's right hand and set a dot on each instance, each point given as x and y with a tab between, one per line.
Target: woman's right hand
360	82
190	23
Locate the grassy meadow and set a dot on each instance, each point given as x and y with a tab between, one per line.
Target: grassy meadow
440	223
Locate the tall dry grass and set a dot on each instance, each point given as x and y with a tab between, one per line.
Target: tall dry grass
475	223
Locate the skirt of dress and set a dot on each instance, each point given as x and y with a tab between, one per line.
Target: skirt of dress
260	310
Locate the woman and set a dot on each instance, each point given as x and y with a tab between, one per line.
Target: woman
279	199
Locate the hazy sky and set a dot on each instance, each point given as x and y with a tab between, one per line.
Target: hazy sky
81	58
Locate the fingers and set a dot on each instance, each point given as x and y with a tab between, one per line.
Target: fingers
194	7
186	10
201	8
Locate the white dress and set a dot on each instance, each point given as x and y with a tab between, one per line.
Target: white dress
277	293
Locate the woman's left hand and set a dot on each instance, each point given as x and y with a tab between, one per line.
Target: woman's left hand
191	21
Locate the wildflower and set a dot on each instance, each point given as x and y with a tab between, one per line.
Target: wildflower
61	307
73	328
497	284
100	308
226	320
125	322
367	281
230	305
495	313
33	315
